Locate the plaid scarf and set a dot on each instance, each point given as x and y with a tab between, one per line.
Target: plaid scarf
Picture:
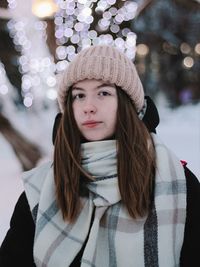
114	239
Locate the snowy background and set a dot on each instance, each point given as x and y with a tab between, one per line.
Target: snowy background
179	129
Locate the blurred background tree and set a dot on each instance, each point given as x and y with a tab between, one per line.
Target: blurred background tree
169	61
27	152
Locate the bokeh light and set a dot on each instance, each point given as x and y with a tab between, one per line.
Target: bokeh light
74	27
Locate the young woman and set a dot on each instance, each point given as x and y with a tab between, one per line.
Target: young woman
114	195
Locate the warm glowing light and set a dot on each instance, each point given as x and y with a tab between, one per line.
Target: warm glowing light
51	81
44	8
28	101
142	50
188	62
86	11
185	48
131	39
197	48
3	89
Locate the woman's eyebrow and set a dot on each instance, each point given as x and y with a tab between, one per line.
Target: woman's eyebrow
97	87
77	88
106	85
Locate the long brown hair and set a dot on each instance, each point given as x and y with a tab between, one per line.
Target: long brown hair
135	160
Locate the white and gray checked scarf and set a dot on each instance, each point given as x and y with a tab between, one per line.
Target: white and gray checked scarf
115	239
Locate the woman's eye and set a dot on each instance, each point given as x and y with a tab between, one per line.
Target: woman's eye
104	93
78	96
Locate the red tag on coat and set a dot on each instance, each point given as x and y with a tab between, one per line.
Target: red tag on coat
184	163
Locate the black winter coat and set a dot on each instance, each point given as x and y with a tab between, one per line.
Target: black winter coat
17	247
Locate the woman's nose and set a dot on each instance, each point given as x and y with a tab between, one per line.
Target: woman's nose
89	107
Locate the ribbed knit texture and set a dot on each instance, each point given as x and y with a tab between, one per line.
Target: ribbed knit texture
106	63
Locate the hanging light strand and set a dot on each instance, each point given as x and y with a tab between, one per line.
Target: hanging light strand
35	64
74	31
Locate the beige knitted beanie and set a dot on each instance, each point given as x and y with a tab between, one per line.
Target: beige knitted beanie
106	63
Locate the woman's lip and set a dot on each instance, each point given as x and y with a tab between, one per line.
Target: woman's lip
91	124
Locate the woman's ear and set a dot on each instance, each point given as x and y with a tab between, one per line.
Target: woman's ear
151	117
55	126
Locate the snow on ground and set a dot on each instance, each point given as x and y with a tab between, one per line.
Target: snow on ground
179	129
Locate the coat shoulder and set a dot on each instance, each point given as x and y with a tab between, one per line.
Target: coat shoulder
190	249
17	246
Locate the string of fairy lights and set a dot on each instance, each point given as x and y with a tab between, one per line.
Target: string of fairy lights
34	69
73	33
37	68
73	23
78	25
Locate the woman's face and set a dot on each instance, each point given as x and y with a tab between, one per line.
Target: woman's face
95	108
